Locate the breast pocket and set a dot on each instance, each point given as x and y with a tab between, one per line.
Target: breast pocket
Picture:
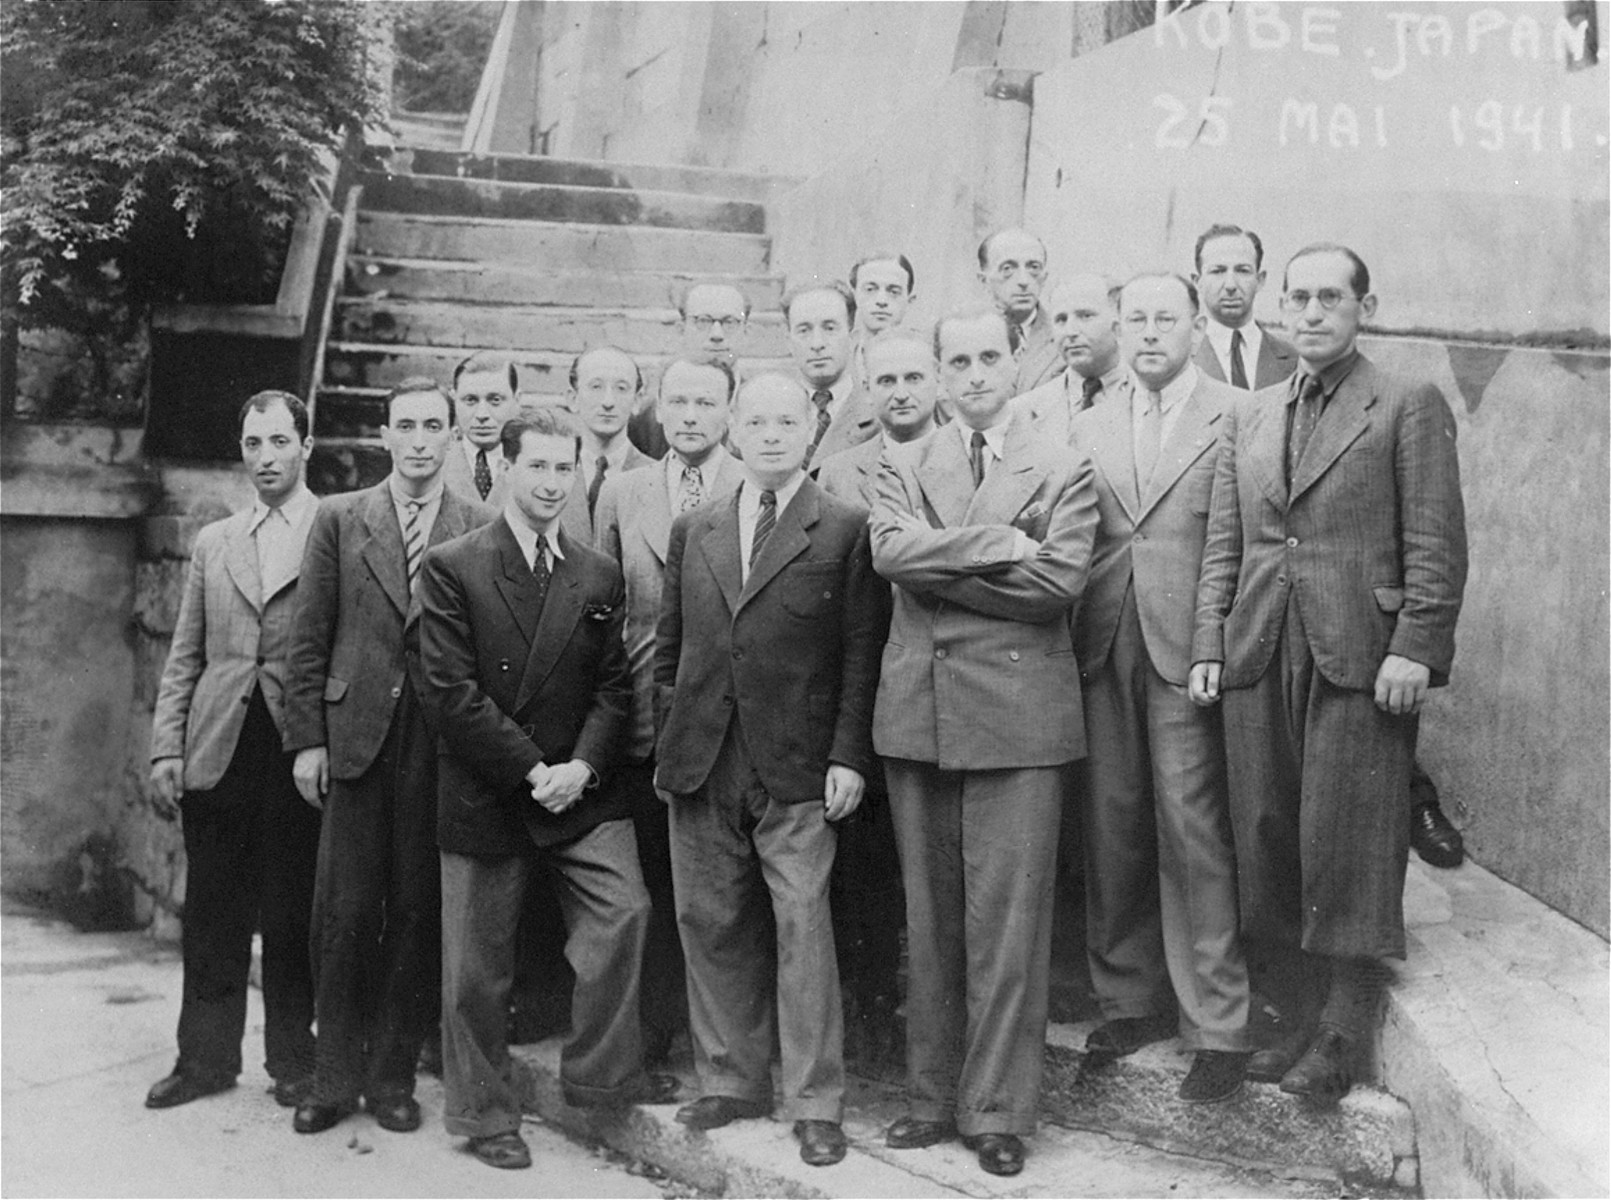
810	590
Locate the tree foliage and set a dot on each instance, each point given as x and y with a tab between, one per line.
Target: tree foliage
442	48
160	150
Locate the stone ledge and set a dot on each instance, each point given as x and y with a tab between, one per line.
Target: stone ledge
1496	1035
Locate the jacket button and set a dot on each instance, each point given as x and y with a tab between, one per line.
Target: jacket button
261	660
1013	655
396	692
1282	580
940	653
727	700
246	699
1292	541
1140	537
738	653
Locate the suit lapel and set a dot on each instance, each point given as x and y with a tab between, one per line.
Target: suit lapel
1194	432
1346	416
1208	361
788	541
718	541
1010	483
561	611
514	581
240	560
1261	439
654	509
1276	362
382	550
573	518
1113	451
946	477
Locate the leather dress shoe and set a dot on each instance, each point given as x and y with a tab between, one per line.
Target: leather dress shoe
316	1118
183	1086
506	1151
1215	1075
1325	1072
1436	840
401	1115
822	1143
999	1153
909	1133
1270	1062
288	1093
1126	1035
657	1088
712	1112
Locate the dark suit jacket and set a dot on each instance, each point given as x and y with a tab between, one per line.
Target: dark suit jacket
510	686
345	669
1371	535
1277	361
795	650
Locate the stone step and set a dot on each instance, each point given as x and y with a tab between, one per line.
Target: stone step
499	283
526	327
442	196
602	249
371	365
649	177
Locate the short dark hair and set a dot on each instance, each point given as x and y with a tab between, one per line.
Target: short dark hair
486	361
1219	230
1360	280
984	246
267	399
1191	288
715	364
893	256
1015	333
683	292
414	385
576	364
546	420
837	286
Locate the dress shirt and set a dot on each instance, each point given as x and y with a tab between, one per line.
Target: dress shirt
279	546
708	472
614	459
526	536
496	462
840	391
431	504
1219	337
995	450
1174	395
1074	387
749	508
1331	376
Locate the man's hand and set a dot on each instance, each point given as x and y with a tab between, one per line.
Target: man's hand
1401	685
311	773
842	792
167	784
1203	683
1024	547
562	786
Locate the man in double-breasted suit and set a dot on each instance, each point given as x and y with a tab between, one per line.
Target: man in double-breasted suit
1235	348
363	753
250	842
486	390
1337	532
986	534
765	666
1160	871
634	518
818	315
524	670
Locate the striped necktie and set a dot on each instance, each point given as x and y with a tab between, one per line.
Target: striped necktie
823	399
765	520
414	541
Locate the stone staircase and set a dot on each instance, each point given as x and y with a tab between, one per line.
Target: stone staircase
539	257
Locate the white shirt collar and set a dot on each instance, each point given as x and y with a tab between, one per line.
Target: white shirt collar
1174	392
293	508
428	500
526	536
995	437
749	495
495	458
1219	336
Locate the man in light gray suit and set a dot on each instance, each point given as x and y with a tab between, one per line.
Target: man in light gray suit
903	381
1160	872
634	516
250	842
819	315
1085	319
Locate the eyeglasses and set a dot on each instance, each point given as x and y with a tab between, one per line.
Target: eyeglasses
727	324
1329	298
1163	322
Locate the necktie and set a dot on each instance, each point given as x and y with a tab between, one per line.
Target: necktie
483	473
691	492
976	453
1238	371
1147	439
540	570
822	398
599	469
413	541
1305	416
765	520
1089	390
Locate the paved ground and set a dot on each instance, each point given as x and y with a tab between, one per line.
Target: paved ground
87	1025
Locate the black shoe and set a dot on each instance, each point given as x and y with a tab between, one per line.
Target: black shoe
657	1088
1215	1075
183	1086
712	1112
288	1093
401	1115
1270	1062
1126	1035
1325	1072
822	1143
909	1133
999	1153
316	1118
1436	840
506	1151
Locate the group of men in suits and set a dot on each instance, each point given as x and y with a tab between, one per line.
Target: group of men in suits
858	624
